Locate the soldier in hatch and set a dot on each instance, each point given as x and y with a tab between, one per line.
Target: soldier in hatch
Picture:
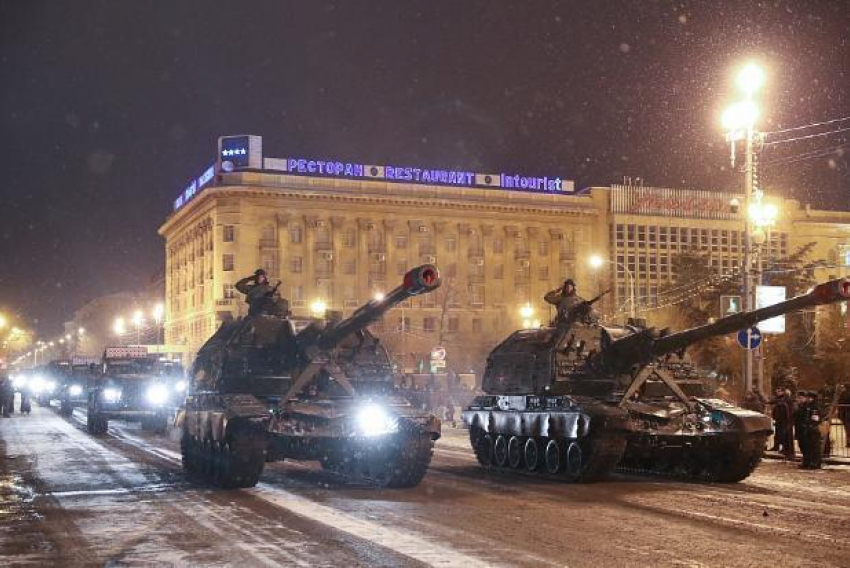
565	298
260	295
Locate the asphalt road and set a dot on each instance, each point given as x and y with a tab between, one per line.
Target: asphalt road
68	499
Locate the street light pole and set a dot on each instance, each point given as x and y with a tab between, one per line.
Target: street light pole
748	242
596	261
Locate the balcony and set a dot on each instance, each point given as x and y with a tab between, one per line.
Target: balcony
223	303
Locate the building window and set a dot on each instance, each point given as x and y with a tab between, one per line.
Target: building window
498	246
349	267
297	295
295	234
499	272
295	264
403	324
476	325
401	241
228	292
543	248
268	237
451	270
476	296
401	267
451	243
349	239
227	263
543	273
269	263
429	324
454	324
229	234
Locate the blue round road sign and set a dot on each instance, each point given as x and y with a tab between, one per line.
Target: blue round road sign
749	338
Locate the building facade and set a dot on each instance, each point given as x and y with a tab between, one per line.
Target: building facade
342	242
340	234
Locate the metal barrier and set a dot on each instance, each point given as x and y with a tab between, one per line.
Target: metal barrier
839	432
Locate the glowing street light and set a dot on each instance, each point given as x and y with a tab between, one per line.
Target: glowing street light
158	312
3	321
750	78
119	326
596	262
318	308
740	116
379	296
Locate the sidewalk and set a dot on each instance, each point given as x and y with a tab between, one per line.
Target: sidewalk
831	460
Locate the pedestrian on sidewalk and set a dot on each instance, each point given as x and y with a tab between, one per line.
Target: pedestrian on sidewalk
806	424
783	416
844	413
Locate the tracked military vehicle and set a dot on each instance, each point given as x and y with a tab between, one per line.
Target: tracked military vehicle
269	387
580	398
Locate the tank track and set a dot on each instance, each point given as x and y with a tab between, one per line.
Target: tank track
230	464
399	462
730	464
587	460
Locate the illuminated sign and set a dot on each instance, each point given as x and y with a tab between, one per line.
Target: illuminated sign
699	204
768	296
429	176
194	187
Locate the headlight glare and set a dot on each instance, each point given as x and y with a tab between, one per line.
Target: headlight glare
75	390
180	386
157	394
111	395
374	420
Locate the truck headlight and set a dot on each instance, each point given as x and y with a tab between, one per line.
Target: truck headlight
374	420
19	382
157	394
111	395
180	386
75	390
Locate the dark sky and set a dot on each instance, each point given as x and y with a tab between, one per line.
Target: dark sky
107	108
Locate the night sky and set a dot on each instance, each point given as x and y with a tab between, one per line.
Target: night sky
108	108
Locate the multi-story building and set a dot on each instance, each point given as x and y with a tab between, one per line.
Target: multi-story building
341	233
342	241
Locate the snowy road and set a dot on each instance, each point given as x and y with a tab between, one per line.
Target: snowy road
69	499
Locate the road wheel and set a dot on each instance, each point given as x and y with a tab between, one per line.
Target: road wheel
409	464
515	451
553	456
65	409
500	451
573	461
242	458
532	454
96	424
187	450
482	445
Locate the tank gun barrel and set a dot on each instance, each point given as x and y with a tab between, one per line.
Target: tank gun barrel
420	280
827	293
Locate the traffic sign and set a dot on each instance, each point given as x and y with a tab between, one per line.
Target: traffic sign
749	338
438	353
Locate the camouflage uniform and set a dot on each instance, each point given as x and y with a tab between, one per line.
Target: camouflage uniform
256	295
565	301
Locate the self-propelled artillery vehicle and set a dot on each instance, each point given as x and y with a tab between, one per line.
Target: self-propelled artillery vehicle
580	398
270	386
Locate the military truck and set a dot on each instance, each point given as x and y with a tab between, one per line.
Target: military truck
74	389
133	385
576	399
270	387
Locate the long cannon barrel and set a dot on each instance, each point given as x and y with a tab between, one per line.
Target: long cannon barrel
827	293
420	280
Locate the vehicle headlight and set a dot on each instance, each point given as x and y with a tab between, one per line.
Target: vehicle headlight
111	395
374	420
37	385
75	390
180	386
19	382
50	386
157	394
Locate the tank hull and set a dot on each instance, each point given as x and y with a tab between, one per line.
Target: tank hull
323	430
588	438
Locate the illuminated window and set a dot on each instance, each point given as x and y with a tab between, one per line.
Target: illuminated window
543	248
476	296
228	292
269	263
229	233
451	243
349	239
227	263
429	324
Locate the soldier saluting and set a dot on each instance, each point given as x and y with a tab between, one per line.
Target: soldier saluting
565	298
259	294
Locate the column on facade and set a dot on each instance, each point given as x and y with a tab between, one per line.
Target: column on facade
336	227
364	284
512	301
535	293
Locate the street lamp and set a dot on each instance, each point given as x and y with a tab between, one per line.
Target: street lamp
3	321
596	262
526	312
318	308
739	122
158	312
138	320
119	327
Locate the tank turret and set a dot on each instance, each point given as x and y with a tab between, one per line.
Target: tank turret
587	396
270	386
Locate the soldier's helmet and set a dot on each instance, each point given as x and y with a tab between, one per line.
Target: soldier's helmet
259	272
569	282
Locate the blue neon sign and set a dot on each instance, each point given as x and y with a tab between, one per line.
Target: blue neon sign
194	187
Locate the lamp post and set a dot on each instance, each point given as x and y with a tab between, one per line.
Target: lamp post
739	122
597	261
158	312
